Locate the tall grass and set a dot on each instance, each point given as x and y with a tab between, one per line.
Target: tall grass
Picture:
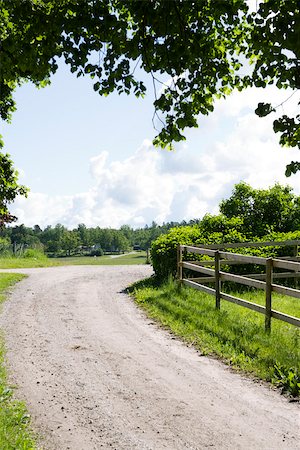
15	433
233	333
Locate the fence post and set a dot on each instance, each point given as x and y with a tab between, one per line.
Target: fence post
217	278
269	280
179	263
296	249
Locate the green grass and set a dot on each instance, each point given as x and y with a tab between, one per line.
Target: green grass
234	334
106	260
43	261
24	263
15	433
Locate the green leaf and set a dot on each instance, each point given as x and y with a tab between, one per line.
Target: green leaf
264	109
96	86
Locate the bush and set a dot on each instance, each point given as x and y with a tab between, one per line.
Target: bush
34	253
214	230
97	252
164	248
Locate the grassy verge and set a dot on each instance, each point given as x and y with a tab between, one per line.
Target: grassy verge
43	261
234	334
24	263
15	433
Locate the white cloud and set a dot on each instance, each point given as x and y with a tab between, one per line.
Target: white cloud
163	186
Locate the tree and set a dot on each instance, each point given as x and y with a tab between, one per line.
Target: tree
84	235
120	242
23	235
263	210
69	241
200	45
9	188
51	238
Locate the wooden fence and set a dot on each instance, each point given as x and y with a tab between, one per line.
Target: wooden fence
260	281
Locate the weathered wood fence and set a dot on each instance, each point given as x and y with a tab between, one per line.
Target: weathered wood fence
260	281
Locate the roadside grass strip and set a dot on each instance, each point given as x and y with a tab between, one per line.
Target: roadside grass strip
25	263
234	334
15	433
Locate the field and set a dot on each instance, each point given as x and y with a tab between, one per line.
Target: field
106	260
14	419
43	261
234	334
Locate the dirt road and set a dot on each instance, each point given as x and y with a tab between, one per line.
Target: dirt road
96	373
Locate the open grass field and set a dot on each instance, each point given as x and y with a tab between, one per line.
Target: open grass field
105	260
43	261
234	334
15	433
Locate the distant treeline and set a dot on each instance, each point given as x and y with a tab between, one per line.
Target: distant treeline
59	241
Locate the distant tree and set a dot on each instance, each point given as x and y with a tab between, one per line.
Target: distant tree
69	241
23	235
128	232
84	235
51	238
37	230
120	242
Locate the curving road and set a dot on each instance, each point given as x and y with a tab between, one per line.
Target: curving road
96	373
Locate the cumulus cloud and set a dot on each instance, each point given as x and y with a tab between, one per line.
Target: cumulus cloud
158	185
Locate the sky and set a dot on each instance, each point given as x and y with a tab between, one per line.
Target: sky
89	159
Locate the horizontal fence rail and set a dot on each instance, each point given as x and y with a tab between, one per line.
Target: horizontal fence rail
259	281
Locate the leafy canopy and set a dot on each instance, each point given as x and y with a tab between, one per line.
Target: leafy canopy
200	45
263	211
9	188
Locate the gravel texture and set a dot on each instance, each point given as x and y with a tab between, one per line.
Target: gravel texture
96	373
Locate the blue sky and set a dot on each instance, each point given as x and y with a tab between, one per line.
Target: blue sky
89	159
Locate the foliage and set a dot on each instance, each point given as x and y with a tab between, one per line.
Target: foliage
263	210
97	252
247	215
164	249
58	240
234	334
4	245
287	379
32	253
203	47
211	230
274	46
69	241
9	188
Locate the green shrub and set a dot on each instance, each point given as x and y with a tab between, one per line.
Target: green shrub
97	252
164	248
34	253
214	230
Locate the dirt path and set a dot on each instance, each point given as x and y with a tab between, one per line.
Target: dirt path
95	373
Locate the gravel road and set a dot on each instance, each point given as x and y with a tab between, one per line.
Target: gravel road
96	373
